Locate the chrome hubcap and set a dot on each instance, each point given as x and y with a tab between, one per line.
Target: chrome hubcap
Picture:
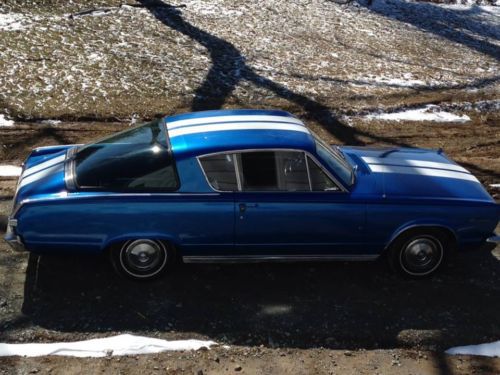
143	255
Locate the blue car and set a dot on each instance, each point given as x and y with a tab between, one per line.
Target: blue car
246	186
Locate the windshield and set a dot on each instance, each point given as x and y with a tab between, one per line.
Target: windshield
135	159
335	161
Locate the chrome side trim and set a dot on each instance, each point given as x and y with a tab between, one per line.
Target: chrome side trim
276	258
342	188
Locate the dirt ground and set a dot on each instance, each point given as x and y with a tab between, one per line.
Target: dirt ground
74	71
338	318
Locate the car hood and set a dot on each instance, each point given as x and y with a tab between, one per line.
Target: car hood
412	173
43	173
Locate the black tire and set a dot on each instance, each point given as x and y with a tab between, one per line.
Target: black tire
420	253
141	259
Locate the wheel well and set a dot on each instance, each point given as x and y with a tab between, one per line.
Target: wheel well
451	238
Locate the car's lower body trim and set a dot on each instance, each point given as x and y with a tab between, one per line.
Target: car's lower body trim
276	258
11	238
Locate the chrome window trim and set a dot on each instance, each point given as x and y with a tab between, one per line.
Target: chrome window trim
337	155
308	172
208	181
69	169
342	188
237	170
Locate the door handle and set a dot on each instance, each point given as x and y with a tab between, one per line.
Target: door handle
244	206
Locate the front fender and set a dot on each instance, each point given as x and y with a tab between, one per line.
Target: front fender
420	224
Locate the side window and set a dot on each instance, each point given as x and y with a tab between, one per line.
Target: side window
319	179
273	171
220	171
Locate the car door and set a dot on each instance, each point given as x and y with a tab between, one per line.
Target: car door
289	206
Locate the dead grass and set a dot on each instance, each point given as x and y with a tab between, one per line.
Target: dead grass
126	62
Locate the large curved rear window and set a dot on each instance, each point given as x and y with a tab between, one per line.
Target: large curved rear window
137	159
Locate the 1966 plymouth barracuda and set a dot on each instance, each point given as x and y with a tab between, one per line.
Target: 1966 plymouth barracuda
246	185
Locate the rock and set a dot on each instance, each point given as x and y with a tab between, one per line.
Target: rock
238	368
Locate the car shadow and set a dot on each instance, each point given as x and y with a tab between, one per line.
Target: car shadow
333	305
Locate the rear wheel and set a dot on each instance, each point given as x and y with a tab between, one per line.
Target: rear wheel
141	259
420	253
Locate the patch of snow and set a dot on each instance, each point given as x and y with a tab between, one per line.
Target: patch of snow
94	57
212	8
495	186
406	81
493	9
13	22
491	349
104	347
428	113
10	171
5	122
51	122
401	82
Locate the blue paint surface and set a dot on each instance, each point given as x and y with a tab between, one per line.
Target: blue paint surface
201	222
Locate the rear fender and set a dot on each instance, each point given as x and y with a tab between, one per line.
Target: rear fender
170	239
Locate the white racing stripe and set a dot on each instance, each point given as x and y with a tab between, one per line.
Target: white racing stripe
37	176
225	119
422	172
237	126
414	163
45	164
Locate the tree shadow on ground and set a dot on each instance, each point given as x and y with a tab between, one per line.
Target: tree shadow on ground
334	305
460	25
229	68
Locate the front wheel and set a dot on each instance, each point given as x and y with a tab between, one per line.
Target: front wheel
141	259
419	254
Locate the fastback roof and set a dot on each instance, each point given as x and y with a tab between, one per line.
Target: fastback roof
200	133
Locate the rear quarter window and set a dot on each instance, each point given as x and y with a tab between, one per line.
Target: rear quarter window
220	171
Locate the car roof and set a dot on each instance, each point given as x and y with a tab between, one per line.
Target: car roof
201	133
